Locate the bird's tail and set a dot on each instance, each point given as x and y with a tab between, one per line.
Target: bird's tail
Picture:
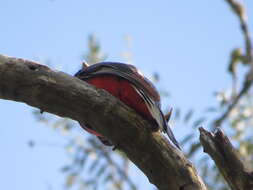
171	136
167	129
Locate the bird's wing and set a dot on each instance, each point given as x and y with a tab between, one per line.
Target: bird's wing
128	72
156	112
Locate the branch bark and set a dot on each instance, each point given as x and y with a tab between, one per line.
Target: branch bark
226	158
58	93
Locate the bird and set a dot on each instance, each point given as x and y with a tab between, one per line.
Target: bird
129	85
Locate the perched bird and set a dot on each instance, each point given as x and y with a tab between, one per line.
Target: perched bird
126	83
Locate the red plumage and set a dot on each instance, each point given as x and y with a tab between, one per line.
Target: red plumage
123	90
128	85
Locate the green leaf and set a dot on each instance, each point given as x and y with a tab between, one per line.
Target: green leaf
101	170
71	179
193	149
94	165
199	122
65	169
177	114
211	109
186	139
188	116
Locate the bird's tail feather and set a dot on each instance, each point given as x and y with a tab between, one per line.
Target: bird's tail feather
171	136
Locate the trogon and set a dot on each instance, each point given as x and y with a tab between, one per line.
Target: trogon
127	84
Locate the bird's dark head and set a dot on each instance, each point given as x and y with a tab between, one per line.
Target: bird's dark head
84	67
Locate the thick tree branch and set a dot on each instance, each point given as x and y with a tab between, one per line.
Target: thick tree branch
226	158
66	96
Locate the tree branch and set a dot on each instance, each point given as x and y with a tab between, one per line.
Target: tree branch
226	158
66	96
240	12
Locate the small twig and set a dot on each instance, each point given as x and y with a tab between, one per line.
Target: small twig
244	90
241	14
240	11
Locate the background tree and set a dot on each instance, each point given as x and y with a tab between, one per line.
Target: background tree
239	122
117	174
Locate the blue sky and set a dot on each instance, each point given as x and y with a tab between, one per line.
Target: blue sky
186	42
